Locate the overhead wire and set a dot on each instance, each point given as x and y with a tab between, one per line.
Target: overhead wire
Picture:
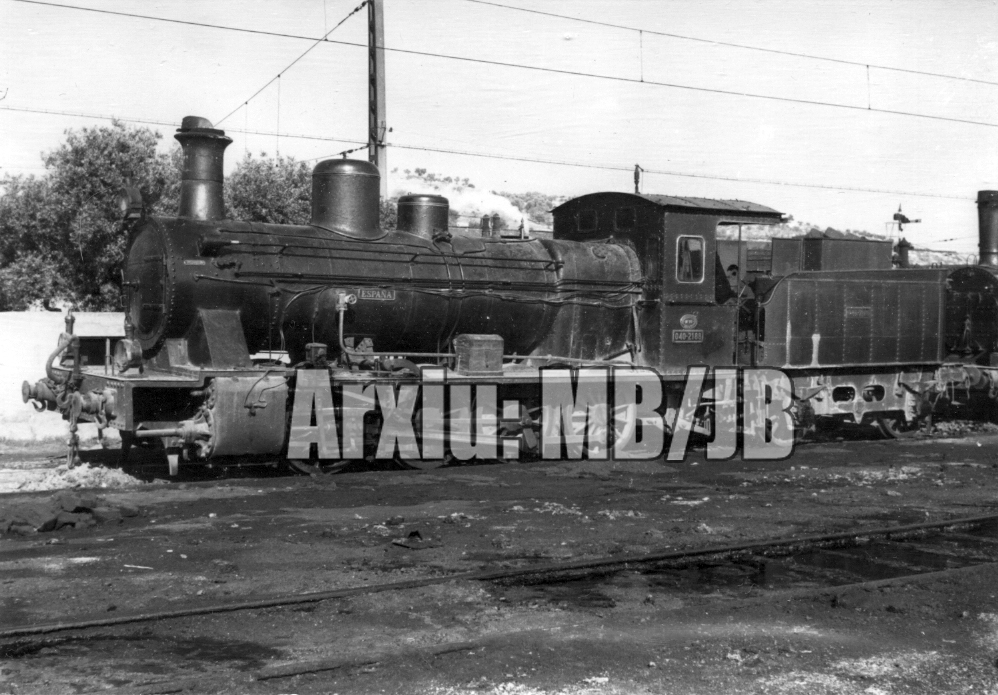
538	68
956	238
707	90
729	44
343	153
324	38
263	32
486	155
293	62
665	172
490	155
185	22
148	121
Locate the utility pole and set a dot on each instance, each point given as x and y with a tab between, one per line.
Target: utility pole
377	127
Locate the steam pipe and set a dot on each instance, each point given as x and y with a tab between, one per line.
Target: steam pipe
49	371
172	432
341	308
188	430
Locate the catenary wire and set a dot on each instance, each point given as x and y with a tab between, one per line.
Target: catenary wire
664	172
342	153
147	121
262	32
530	160
557	71
292	64
956	238
706	90
742	46
185	22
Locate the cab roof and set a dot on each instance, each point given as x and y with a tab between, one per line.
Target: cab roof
740	209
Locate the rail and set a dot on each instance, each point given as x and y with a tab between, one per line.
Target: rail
545	572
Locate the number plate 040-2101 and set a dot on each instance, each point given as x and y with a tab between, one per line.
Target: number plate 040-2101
683	336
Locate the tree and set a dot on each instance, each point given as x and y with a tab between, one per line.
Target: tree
60	234
261	189
279	191
389	214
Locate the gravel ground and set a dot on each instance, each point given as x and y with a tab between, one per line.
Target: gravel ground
205	539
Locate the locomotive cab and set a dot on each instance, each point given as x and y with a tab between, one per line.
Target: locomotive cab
688	312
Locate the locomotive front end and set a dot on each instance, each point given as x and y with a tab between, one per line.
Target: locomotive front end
157	390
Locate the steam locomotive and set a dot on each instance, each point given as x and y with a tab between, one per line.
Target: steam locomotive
626	281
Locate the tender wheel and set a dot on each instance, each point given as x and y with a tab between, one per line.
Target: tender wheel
420	463
127	442
318	466
895	426
423	465
621	428
805	421
523	428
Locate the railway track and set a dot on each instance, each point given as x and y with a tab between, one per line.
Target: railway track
766	570
838	558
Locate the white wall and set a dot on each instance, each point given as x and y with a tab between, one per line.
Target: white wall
26	341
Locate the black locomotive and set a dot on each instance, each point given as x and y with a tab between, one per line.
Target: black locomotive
626	280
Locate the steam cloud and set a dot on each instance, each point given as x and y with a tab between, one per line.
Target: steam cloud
470	203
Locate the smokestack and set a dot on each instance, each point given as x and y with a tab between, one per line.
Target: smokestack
904	246
987	216
202	178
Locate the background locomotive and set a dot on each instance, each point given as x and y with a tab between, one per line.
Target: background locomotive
626	280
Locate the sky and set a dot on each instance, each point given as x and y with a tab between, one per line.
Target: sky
694	137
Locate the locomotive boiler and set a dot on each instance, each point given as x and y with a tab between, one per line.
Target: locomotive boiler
222	290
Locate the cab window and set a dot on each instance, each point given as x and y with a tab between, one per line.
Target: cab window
689	259
624	218
587	220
